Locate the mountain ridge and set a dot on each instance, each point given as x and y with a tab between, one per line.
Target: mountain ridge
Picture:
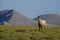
52	19
15	18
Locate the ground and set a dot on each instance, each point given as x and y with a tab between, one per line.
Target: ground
29	33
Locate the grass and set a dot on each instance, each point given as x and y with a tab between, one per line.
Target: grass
28	33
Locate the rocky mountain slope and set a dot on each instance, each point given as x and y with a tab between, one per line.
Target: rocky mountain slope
14	18
52	19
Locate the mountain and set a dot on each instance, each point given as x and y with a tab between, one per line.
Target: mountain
51	19
12	17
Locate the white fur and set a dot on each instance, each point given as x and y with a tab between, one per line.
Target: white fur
42	22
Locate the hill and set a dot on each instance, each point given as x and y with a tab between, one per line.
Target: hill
52	19
12	17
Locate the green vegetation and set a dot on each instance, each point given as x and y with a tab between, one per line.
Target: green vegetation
28	33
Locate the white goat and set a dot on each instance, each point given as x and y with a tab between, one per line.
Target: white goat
41	23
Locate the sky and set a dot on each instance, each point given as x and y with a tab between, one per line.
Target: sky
32	8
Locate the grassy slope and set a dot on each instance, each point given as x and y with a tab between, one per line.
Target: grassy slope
28	33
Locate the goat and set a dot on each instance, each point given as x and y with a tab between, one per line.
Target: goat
41	23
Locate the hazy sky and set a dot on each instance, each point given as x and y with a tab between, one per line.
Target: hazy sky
31	8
